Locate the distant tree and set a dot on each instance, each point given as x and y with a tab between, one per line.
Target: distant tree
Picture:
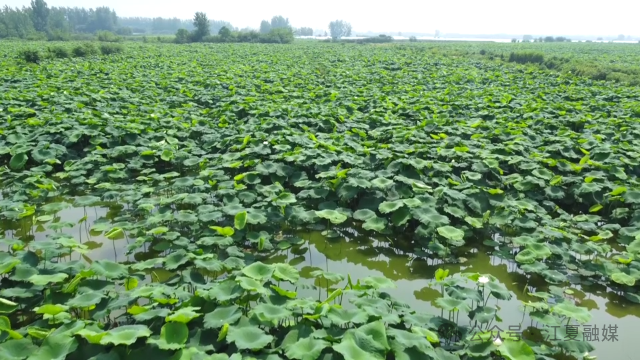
102	19
549	39
620	37
437	34
40	15
304	31
124	31
514	40
279	22
265	27
225	33
599	39
216	25
527	38
339	29
413	39
201	23
182	36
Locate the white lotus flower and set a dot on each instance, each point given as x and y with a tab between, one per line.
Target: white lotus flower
588	357
497	341
266	143
483	280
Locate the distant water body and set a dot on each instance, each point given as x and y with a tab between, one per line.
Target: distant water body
455	39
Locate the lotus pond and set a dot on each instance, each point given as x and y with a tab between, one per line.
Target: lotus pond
315	202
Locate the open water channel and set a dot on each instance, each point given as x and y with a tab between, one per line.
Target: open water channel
360	256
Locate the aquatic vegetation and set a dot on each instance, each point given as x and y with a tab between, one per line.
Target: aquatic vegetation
215	156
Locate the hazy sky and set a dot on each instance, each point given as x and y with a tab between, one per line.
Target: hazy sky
539	17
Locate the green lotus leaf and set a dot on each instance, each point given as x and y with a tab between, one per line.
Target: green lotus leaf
109	269
475	222
364	214
341	316
356	345
270	313
184	315
18	161
332	215
152	314
624	279
225	291
222	315
382	183
8	306
240	220
358	182
86	200
250	284
632	197
376	223
17	349
483	314
55	347
579	314
286	272
184	216
543	173
429	217
449	304
516	350
255	218
125	335
306	349
258	271
412	203
541	251
224	231
431	336
379	282
389	206
85	300
47	279
285	198
173	336
401	216
410	339
248	338
451	233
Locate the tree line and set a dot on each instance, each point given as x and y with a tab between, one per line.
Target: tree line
40	21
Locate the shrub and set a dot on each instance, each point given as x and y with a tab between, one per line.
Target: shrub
212	39
483	52
82	37
37	36
124	31
109	49
377	39
85	50
526	57
182	36
413	39
30	56
278	36
108	36
58	35
59	52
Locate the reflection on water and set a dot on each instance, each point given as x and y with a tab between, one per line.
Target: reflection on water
361	256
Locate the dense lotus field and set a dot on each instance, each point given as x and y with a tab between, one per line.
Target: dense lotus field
219	155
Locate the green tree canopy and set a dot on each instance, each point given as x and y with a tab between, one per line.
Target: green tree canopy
339	29
265	27
279	22
201	23
40	15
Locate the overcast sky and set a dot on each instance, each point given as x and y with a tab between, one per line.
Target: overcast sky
539	17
